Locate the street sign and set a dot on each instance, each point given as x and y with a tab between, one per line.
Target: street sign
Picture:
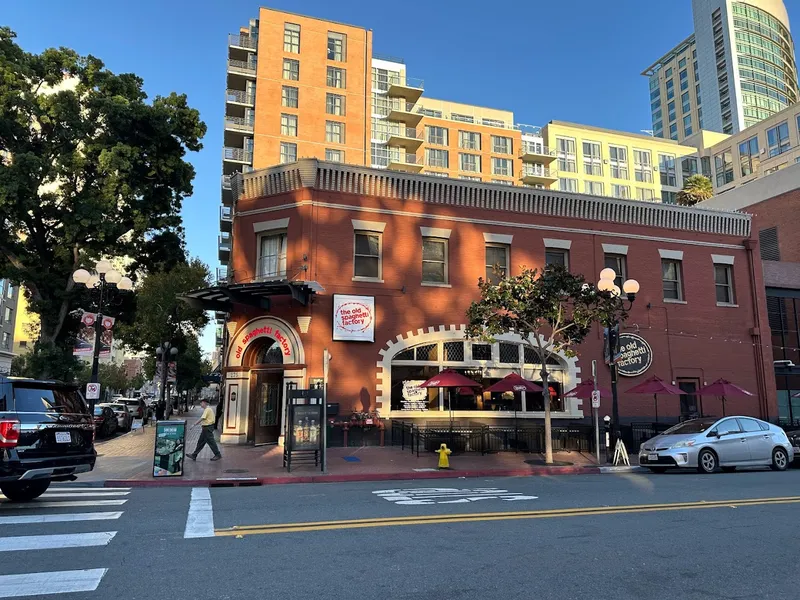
595	398
92	391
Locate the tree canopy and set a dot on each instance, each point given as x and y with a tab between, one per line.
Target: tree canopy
552	310
695	189
88	168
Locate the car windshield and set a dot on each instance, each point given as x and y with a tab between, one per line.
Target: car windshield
689	427
38	400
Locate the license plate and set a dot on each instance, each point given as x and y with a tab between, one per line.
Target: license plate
63	437
652	457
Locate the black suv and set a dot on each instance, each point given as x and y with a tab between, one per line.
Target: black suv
46	434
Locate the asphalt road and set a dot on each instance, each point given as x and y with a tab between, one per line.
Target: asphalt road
639	536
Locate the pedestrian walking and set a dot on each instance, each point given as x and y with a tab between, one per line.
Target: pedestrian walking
206	421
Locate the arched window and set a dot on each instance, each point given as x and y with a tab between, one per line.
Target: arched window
270	354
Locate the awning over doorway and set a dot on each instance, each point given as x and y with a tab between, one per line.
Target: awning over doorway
258	294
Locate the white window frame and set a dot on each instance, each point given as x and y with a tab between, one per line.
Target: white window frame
502	166
502	145
334	104
286	100
280	273
618	165
488	267
379	235
285	157
334	129
469	162
566	154
289	125
592	187
678	281
291	38
288	63
592	163
339	79
330	151
333	49
469	140
446	243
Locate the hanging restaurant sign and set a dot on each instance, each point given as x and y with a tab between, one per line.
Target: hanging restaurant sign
353	318
636	355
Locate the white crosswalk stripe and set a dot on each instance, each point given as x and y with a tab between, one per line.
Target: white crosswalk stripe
17	517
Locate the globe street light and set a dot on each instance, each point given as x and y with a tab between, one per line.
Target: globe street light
103	282
630	287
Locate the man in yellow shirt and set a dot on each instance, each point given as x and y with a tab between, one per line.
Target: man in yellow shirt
207	434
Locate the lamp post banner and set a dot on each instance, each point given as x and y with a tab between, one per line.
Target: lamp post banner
636	355
84	342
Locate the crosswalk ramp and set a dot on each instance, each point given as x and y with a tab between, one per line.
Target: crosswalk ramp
69	512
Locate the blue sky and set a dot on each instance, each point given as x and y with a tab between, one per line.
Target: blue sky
572	60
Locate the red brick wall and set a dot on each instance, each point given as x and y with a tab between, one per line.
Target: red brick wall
694	340
781	212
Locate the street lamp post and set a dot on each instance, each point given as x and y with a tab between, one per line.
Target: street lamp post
103	281
630	288
165	351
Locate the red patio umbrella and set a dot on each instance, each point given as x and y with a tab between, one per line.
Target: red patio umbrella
450	379
655	385
723	387
584	390
514	383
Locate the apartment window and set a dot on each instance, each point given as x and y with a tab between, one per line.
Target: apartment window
334	132
291	38
666	166
681	63
334	155
673	131
437	114
289	125
670	89
289	97
288	152
272	256
723	167
436	135
502	145
469	178
336	77
334	104
723	280
592	161
10	291
618	262
367	256
684	77
556	257
469	162
291	69
671	279
671	111
567	184
502	166
689	167
669	197
437	158
566	155
593	187
687	125
6	340
778	139
618	159
434	260
749	157
7	315
337	46
496	258
620	191
645	194
469	140
668	73
686	106
642	166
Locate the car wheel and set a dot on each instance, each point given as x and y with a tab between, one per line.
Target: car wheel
707	462
658	469
780	460
728	469
24	491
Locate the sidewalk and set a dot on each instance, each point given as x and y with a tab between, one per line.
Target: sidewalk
127	460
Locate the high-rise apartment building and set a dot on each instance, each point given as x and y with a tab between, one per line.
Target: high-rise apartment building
8	315
738	68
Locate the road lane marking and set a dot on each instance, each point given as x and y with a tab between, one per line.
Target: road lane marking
54	582
87	489
497	516
59	518
64	504
427	496
100	494
52	542
200	520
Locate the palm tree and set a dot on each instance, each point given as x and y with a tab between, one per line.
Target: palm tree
695	189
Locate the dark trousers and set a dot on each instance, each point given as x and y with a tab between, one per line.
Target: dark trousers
207	437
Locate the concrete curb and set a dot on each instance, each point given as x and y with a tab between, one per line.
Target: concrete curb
356	477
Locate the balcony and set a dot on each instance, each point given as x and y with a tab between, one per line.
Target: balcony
225	218
406	87
271	266
406	137
222	275
240	97
405	162
531	175
532	152
242	67
400	110
237	155
220	316
239	124
224	244
244	42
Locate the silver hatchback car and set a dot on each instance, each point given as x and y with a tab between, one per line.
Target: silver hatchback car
708	443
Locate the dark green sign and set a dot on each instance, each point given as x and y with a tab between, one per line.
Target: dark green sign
170	449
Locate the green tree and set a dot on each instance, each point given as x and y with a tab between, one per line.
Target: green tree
552	311
89	168
137	381
112	377
192	366
695	189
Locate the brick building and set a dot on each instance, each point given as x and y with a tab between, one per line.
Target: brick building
325	251
772	201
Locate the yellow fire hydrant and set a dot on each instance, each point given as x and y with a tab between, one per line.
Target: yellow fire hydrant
444	452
